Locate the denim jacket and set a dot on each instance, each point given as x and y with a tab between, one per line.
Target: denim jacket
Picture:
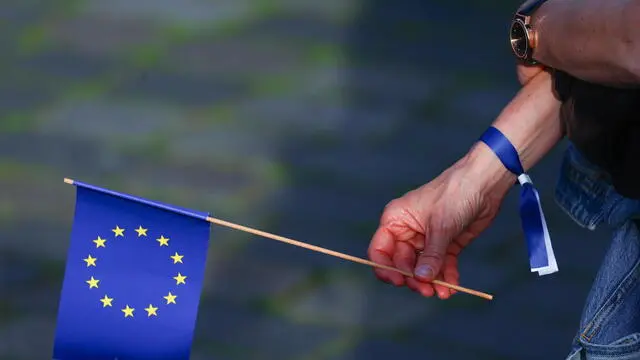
610	323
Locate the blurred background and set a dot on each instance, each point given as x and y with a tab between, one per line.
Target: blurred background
298	117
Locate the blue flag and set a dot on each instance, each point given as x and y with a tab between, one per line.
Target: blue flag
133	279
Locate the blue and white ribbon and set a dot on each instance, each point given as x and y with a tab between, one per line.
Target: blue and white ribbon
541	257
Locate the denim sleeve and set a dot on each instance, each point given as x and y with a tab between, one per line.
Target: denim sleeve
610	323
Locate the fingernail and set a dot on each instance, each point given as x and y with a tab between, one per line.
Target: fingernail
424	271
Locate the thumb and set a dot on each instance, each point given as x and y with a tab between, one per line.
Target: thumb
431	259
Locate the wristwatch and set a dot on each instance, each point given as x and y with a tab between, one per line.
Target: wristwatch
521	34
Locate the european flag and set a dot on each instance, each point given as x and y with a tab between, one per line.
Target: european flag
133	279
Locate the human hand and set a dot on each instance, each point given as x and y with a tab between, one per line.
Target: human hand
424	231
445	215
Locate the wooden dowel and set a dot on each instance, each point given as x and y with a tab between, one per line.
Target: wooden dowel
332	253
341	255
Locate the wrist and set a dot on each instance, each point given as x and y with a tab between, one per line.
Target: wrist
488	172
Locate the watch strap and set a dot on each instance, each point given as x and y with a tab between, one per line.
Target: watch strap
529	7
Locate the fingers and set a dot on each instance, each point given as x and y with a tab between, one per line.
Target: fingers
380	250
422	288
404	257
430	261
448	274
448	271
384	249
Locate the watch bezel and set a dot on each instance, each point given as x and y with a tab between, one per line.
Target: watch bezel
524	55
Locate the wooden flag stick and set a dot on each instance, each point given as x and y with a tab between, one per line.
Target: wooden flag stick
332	253
340	255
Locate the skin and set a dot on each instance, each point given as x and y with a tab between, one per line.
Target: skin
443	216
594	40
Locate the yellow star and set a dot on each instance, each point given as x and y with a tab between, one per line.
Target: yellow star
171	299
91	261
177	258
128	311
151	310
141	231
93	283
180	279
106	301
163	241
99	242
118	232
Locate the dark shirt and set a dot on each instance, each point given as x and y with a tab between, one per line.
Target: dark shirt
604	125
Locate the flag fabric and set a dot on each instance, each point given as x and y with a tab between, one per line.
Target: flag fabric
133	279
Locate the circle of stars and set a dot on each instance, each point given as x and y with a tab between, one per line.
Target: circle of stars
129	311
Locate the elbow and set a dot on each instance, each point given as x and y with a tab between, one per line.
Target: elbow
634	71
625	66
630	54
630	65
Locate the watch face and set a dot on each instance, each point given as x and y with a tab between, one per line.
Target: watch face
518	38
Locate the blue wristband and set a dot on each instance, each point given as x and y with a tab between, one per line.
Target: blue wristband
541	257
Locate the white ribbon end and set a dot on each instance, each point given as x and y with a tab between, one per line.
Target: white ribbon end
524	179
546	270
552	266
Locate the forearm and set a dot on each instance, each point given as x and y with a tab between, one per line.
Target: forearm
531	123
594	40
